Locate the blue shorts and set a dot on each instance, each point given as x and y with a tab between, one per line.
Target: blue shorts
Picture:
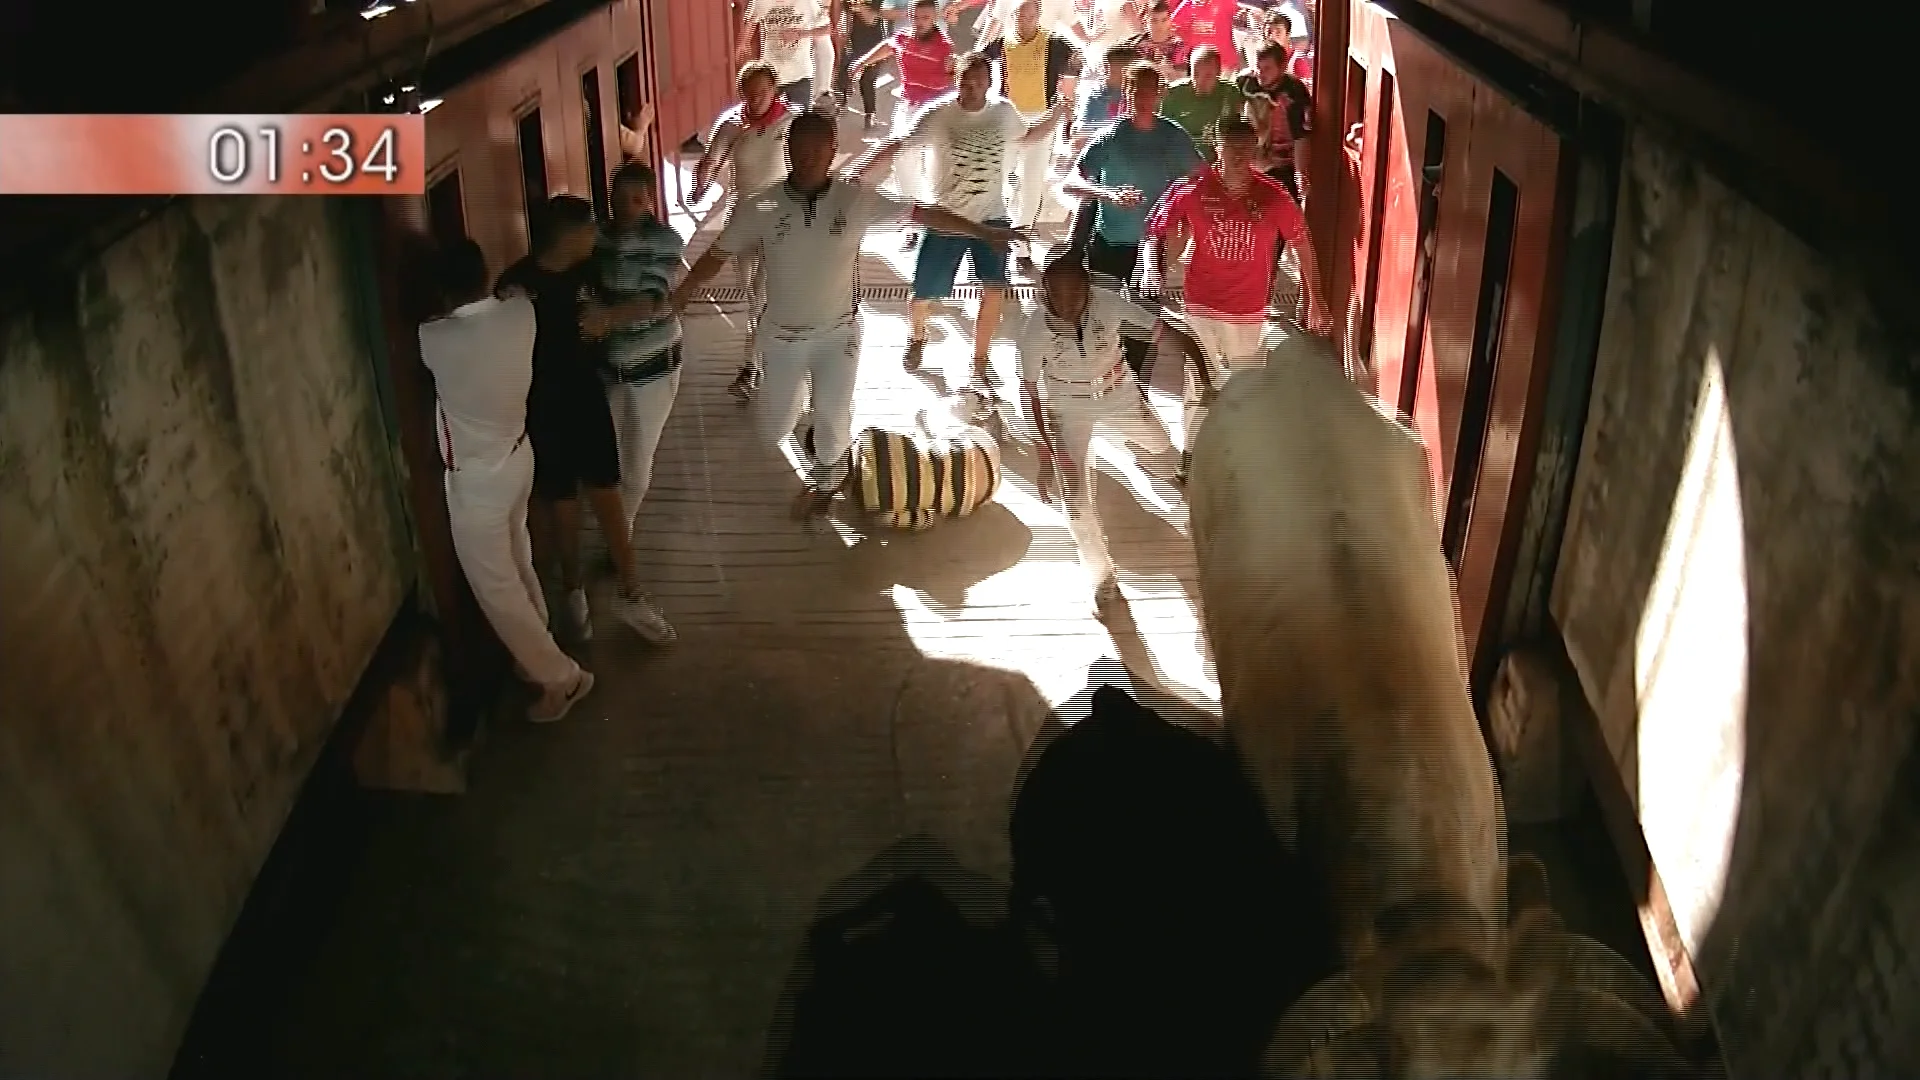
938	262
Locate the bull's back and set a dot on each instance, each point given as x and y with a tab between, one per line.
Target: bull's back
1330	610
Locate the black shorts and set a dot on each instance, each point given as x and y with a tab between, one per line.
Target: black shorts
574	445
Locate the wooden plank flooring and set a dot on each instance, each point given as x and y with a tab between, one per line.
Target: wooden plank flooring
624	893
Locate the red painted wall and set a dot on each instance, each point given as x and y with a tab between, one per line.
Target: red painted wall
1484	130
686	72
693	70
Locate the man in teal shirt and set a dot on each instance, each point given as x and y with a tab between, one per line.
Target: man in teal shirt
1198	103
1125	170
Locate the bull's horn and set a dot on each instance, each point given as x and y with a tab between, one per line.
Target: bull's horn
1308	1031
1585	964
1604	1022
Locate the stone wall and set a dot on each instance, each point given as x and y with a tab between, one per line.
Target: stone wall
203	547
1740	594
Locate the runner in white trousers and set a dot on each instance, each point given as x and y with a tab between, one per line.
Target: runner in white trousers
481	356
749	142
926	60
810	228
637	259
1033	60
1075	378
1236	219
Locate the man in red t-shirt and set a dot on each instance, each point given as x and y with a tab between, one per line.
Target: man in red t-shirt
1237	220
925	56
1209	22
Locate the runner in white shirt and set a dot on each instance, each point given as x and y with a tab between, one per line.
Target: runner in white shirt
1106	23
824	71
788	29
1059	16
749	141
971	134
810	228
481	356
1074	376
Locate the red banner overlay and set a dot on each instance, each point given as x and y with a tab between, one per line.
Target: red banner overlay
213	155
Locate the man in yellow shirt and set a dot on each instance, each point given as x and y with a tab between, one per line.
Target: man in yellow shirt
1032	61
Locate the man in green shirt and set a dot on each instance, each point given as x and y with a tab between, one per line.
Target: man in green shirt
1197	104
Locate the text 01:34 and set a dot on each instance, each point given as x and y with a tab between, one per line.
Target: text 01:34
230	155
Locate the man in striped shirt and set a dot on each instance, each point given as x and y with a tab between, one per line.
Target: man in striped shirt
638	260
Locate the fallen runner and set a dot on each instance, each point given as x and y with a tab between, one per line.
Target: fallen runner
943	468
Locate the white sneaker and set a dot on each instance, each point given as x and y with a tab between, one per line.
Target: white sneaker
579	618
640	613
554	705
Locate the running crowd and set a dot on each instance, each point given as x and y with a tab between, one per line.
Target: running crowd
555	379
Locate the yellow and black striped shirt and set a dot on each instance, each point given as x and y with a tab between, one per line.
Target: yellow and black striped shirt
911	480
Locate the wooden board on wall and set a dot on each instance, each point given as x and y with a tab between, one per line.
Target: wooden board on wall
693	66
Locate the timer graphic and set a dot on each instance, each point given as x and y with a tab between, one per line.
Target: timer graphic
213	155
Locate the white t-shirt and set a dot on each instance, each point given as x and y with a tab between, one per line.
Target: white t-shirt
1050	350
970	155
791	61
1055	15
481	357
758	156
811	252
1109	24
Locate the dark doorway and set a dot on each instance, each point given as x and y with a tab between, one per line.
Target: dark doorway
1356	103
533	167
1432	168
626	86
1382	146
446	209
1502	206
596	140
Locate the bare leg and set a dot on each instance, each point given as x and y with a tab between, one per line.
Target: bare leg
917	334
991	300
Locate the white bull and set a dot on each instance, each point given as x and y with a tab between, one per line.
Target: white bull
1330	609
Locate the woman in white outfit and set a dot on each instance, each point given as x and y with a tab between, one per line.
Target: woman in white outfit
481	356
749	141
1075	378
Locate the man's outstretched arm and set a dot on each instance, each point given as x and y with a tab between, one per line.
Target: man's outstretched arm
701	272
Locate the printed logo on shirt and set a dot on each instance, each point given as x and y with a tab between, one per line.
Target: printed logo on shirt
1230	239
839	225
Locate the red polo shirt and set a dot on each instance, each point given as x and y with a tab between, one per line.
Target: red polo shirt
923	65
1235	241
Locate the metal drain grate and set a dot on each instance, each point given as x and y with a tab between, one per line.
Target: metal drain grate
901	293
